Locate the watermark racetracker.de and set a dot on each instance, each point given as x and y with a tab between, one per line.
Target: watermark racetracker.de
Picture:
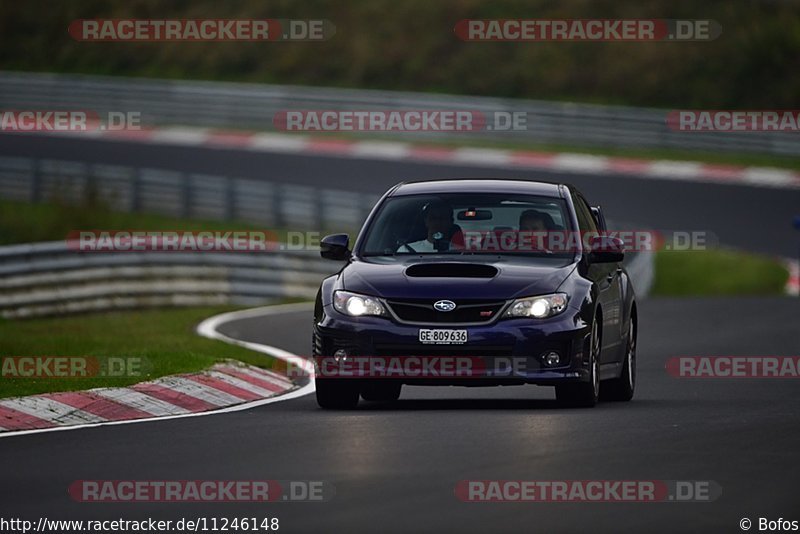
74	366
399	120
155	30
721	120
733	366
589	491
182	491
539	30
60	120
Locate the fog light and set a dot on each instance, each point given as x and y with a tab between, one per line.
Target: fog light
551	359
340	355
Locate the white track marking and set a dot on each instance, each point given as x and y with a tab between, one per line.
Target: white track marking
674	170
180	136
488	157
208	328
381	150
278	143
580	163
768	177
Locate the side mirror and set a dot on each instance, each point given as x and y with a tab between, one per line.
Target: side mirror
335	247
605	249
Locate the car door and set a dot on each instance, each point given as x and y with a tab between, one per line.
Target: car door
607	278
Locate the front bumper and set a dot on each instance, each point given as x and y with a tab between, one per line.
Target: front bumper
505	352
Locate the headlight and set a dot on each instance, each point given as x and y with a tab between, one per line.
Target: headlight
538	307
357	305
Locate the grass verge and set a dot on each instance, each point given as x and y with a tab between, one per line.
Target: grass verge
717	272
164	340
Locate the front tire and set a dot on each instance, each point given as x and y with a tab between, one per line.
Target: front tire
337	393
621	389
584	394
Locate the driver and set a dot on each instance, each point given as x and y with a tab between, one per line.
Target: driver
439	223
535	221
534	228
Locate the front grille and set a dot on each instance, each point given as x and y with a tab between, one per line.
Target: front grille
423	312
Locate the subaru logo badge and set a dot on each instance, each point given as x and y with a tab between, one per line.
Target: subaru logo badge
444	305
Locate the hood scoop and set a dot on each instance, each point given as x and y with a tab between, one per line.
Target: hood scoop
451	270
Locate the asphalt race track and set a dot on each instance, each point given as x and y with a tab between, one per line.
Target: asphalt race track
395	466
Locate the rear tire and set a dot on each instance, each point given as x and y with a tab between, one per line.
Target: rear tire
337	393
621	389
584	394
381	391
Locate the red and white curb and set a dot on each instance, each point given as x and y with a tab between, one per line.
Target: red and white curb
225	384
225	387
793	283
481	157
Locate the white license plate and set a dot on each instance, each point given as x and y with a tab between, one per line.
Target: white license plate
443	337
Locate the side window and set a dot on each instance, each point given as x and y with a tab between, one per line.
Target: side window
585	219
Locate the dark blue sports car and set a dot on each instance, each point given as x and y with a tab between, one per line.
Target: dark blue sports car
476	282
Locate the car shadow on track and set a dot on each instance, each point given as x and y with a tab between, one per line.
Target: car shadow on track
492	404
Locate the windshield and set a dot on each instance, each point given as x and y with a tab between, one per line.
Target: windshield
467	223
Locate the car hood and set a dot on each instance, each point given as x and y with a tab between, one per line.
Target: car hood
413	278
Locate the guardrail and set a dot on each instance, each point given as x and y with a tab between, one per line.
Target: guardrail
184	195
253	106
53	279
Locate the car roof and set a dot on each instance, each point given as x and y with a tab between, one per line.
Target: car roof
481	185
